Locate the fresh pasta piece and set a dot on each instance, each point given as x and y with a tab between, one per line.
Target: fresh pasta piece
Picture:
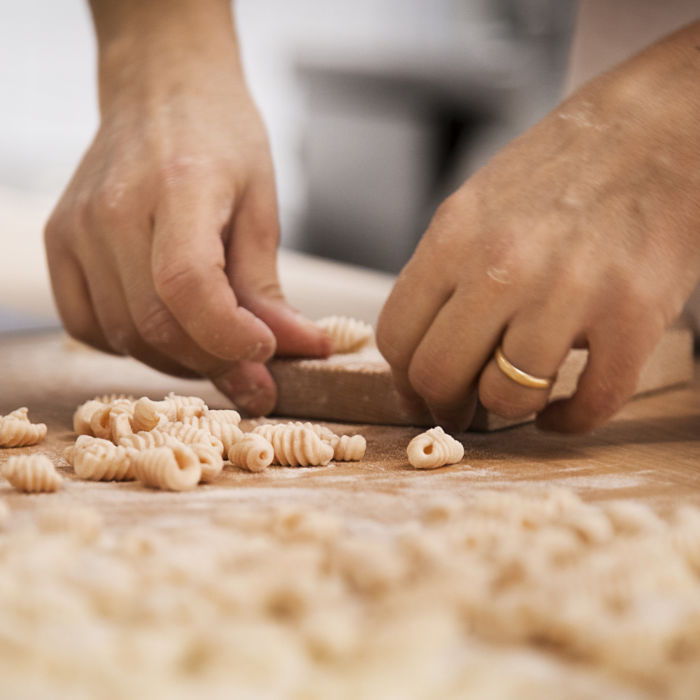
83	416
346	448
347	334
32	473
350	448
253	452
112	398
184	406
296	445
223	415
434	448
191	434
16	430
227	433
210	460
174	468
146	439
151	414
112	421
97	459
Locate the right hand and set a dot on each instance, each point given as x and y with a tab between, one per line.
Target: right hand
164	244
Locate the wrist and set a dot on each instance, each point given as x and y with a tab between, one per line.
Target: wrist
160	47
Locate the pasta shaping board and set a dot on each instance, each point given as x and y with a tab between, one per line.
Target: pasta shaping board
358	387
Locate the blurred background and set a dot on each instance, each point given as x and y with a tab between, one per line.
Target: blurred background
376	110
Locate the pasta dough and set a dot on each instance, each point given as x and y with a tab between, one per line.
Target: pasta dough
296	445
16	430
434	448
175	468
347	334
252	452
100	460
32	473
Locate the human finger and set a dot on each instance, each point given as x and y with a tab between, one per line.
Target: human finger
252	271
615	358
447	362
536	341
188	270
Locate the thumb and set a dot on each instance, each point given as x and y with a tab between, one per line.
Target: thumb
252	271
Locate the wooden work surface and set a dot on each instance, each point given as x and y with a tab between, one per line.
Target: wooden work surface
650	452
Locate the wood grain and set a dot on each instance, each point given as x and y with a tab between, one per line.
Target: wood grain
358	387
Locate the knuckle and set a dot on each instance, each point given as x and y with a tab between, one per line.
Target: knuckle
509	402
157	326
108	204
174	279
430	383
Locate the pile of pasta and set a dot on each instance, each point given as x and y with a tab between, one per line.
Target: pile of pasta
179	442
499	595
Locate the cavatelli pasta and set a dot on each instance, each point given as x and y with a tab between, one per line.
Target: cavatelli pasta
252	452
191	434
346	448
210	460
146	439
296	445
347	334
100	460
151	414
175	468
223	415
83	416
434	448
32	473
16	430
184	406
227	433
103	425
350	448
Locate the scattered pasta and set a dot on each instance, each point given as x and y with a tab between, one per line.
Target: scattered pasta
96	459
16	430
149	414
296	445
350	448
434	448
32	473
253	453
191	434
347	334
210	460
227	432
174	468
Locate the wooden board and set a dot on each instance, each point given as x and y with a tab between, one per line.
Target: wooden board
650	452
358	387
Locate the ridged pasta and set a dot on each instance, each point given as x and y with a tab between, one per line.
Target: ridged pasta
296	445
100	460
346	448
83	416
223	415
184	406
434	448
191	434
16	430
146	439
227	433
253	452
150	414
174	468
347	334
112	421
32	473
350	448
210	460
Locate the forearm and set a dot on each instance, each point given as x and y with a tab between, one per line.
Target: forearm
159	45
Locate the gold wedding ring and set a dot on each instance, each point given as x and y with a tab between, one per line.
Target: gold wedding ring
517	375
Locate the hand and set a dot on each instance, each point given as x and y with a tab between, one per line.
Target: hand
585	231
164	244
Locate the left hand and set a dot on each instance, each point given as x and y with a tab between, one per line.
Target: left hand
585	231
